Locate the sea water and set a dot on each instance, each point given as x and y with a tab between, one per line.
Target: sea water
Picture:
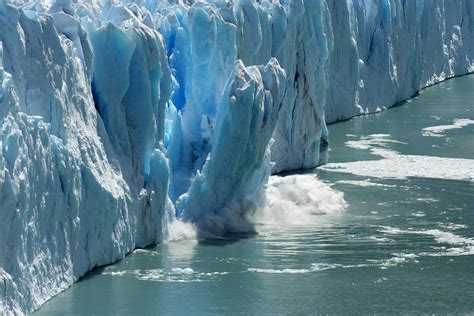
401	240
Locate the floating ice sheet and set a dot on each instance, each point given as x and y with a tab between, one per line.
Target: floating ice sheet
398	166
437	131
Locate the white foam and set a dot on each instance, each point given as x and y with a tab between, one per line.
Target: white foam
324	266
391	230
149	275
216	273
462	245
182	270
178	231
448	237
296	199
366	183
428	200
437	131
314	268
280	271
397	259
380	239
170	275
173	275
452	226
397	166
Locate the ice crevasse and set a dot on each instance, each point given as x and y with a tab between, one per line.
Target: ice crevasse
120	117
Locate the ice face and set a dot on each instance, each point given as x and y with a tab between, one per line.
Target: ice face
123	121
216	201
70	199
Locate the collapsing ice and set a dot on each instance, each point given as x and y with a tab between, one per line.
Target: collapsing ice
118	119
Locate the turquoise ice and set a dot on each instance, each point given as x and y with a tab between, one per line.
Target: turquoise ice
120	119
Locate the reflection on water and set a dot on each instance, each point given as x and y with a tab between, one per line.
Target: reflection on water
405	242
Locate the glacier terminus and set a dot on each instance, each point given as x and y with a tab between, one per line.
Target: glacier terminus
123	120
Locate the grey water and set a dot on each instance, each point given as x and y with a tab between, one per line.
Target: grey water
402	245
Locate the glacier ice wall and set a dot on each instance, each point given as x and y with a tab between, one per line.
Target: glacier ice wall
416	43
70	198
119	118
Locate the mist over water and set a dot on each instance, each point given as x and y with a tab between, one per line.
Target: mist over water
297	200
386	227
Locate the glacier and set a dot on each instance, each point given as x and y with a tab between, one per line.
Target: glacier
120	119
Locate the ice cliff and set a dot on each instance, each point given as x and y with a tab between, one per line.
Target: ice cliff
120	118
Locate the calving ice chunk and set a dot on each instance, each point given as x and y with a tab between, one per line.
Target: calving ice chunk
125	123
238	164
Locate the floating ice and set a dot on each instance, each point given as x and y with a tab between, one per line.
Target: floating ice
403	166
180	275
366	183
397	166
373	142
437	131
314	268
